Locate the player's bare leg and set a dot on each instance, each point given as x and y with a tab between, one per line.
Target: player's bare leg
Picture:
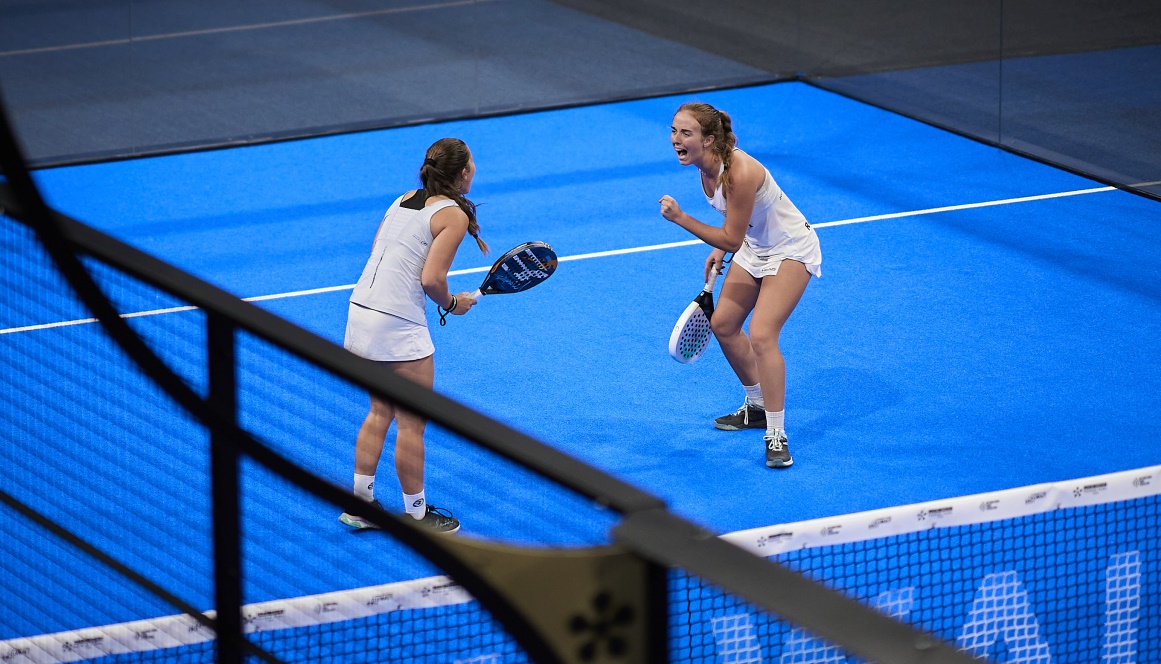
410	427
409	450
372	433
409	453
779	296
737	299
739	293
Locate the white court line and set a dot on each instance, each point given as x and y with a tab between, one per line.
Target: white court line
596	254
966	206
238	28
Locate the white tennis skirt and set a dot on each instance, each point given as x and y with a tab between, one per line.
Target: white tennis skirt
766	265
385	338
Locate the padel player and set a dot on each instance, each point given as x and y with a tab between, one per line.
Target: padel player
387	321
776	252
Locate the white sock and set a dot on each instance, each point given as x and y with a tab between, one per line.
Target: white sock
754	394
415	505
775	420
365	487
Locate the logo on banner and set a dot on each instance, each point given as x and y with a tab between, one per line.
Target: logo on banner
193	625
935	514
1036	497
774	539
264	619
1090	489
13	654
441	589
381	598
81	644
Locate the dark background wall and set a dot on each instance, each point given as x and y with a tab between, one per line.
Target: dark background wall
97	79
1073	82
841	37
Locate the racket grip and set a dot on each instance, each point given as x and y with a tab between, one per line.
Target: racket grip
713	279
477	294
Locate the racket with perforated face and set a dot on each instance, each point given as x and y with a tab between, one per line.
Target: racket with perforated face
692	332
519	269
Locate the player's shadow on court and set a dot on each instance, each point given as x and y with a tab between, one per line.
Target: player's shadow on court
838	396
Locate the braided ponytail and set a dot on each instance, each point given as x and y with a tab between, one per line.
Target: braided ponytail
724	147
445	160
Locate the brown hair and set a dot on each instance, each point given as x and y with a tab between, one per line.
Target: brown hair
445	160
717	124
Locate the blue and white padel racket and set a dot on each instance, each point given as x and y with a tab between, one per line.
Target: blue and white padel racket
692	332
519	269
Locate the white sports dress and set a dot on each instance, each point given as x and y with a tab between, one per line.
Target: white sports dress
387	315
777	232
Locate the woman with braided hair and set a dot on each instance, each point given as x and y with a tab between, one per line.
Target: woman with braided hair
775	253
387	318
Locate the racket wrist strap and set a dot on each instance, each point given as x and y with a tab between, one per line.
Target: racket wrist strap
444	312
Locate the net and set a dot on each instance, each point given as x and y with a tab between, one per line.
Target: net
94	446
1059	573
1062	572
98	449
396	622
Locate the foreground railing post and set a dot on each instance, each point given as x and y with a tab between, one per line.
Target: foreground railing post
225	485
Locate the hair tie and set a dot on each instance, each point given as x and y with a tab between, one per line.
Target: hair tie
444	312
429	162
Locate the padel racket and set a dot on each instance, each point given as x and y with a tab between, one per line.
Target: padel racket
692	332
519	269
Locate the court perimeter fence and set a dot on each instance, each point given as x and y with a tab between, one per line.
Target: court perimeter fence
157	463
1073	83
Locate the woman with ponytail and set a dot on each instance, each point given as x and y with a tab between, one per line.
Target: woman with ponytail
387	317
775	253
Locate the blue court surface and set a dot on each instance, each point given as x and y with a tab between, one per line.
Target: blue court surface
983	321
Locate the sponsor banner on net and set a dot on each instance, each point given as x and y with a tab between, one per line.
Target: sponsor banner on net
960	511
182	630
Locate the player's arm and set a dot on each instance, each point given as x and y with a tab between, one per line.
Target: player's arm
448	228
744	182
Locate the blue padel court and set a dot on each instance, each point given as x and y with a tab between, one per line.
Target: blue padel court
983	321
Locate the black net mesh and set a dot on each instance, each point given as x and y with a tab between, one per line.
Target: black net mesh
1066	585
92	444
311	417
97	448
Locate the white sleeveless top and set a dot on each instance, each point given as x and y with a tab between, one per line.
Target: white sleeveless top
390	282
777	228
